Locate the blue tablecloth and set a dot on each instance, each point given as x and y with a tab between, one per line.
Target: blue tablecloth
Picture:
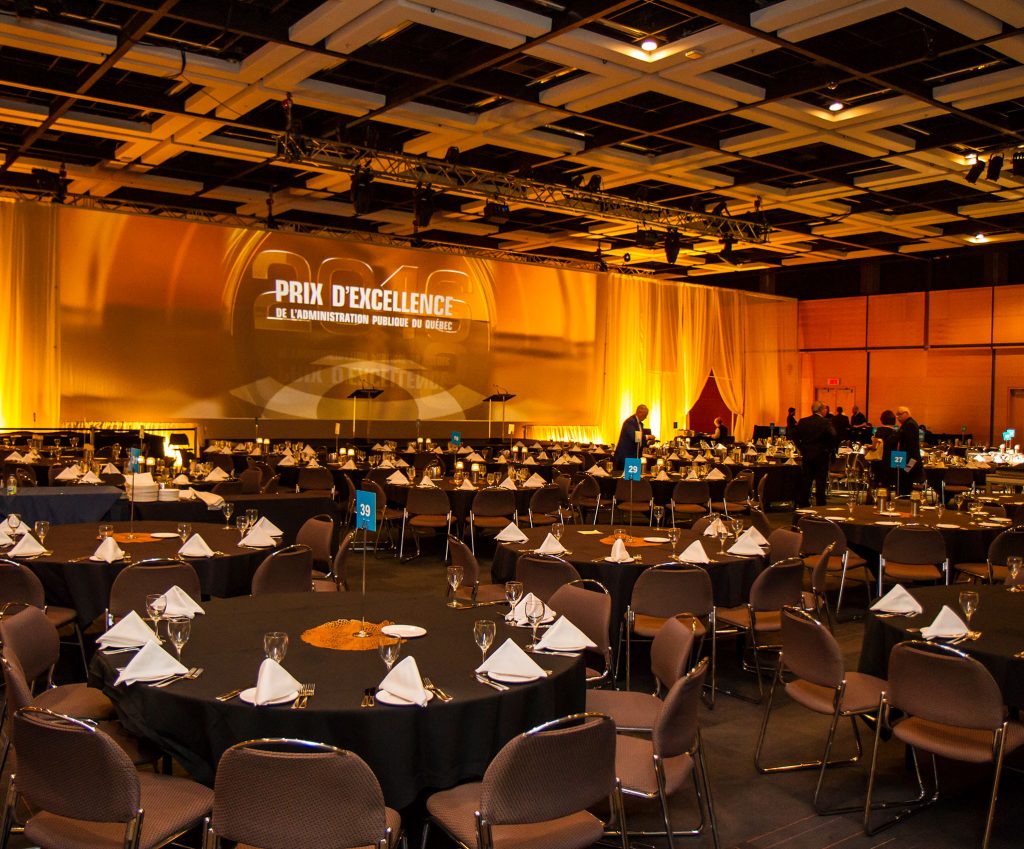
61	505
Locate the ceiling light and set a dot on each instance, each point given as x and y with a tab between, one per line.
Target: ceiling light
672	246
647	238
726	254
978	238
496	212
694	53
970	159
975	171
995	166
836	106
649	44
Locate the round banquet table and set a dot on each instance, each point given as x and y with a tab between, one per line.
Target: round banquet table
410	749
999	617
71	579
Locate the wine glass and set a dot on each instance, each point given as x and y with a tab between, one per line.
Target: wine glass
275	645
557	529
1013	566
455	576
252	516
241	524
968	603
389	650
513	592
659	514
723	533
42	528
184	530
534	615
228	509
178	629
673	538
483	633
13	522
104	530
156	604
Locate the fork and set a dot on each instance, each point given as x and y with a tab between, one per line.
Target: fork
192	674
305	691
437	691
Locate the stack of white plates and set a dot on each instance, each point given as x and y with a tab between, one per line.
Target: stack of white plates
169	495
143	492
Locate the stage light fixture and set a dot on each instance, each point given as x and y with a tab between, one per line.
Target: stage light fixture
361	192
452	155
575	181
672	245
836	106
649	44
423	207
1018	163
647	238
974	172
270	222
496	212
726	254
594	183
995	166
720	208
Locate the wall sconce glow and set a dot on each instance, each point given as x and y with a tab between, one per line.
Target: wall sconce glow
978	238
836	106
649	44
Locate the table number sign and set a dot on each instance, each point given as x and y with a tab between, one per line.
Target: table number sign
366	510
632	472
898	460
456	438
133	460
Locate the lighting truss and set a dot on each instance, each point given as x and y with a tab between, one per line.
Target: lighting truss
337	157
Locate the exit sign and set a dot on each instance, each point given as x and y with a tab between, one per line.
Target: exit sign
832	381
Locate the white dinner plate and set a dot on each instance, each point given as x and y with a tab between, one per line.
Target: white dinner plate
405	632
386	698
803	510
886	523
561	648
96	559
249	696
610	559
506	678
656	539
947	526
164	535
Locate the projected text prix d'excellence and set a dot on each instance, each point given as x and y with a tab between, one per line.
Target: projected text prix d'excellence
375	306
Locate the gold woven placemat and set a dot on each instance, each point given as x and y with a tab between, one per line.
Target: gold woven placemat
136	537
339	635
636	542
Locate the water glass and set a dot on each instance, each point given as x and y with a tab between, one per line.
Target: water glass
241	524
1014	564
184	530
659	514
13	522
104	530
178	629
968	603
228	509
455	576
42	528
252	516
156	604
673	538
557	529
534	615
275	645
389	649
483	633
513	592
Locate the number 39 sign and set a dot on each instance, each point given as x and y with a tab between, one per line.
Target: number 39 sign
366	510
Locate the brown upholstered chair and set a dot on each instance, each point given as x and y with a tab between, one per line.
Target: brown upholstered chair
350	499
492	508
316	479
586	495
386	515
472	592
317	533
278	794
537	790
633	498
760	521
98	799
587	604
25	477
337	579
287	570
227	488
844	566
427	510
816	586
546	506
701	524
913	553
784	543
945	703
156	575
542	574
956	481
822	684
736	498
272	485
251	481
1008	544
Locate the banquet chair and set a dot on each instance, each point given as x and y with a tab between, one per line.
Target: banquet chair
316	479
53	471
702	524
220	461
112	478
426	512
471	591
266	473
537	791
542	574
317	532
822	684
690	499
287	570
100	800
659	767
670	658
250	481
760	521
156	575
941	701
848	566
762	487
956	481
564	484
25	477
586	495
227	488
736	498
277	794
1008	544
588	605
913	553
350	500
492	508
784	543
632	498
815	596
271	486
18	583
337	579
546	506
663	592
760	619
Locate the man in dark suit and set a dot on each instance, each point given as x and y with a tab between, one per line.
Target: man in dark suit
631	437
841	423
816	439
908	438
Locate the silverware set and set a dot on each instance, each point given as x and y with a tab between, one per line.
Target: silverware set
302	699
230	694
437	691
891	615
494	685
191	675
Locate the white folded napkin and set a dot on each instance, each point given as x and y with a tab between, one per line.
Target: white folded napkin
507	484
714	528
180	603
386	464
128	633
309	451
289	460
510	533
151	664
313	464
256	452
790	462
543	455
663	476
620	553
274	683
264	524
511	661
400	463
946	624
349	466
534	481
475	458
520	445
754	534
551	546
377	447
210	499
529	461
5	538
694	553
716	475
188	495
140	479
719	446
536	446
108	551
287	453
217	474
14	457
181	480
561	461
27	546
464	450
673	456
397	477
195	546
897	600
596	471
68	474
599	452
692	476
564	636
426	483
518	615
745	546
405	682
467	484
257	538
438	449
501	461
90	477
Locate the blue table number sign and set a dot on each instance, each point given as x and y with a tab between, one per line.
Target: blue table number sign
366	510
457	438
632	472
133	462
898	459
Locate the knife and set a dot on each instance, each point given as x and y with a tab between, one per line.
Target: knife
229	695
501	688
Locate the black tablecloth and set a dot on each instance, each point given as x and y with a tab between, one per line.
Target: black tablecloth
61	505
70	579
410	749
999	617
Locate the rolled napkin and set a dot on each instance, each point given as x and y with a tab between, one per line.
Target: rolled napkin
564	636
620	553
195	546
897	600
694	553
946	624
274	684
257	538
397	477
510	533
663	476
507	484
68	474
289	460
181	480
475	457
90	477
130	632
551	546
596	471
426	483
349	465
264	524
467	485
529	461
152	663
534	481
754	534
716	475
517	616
217	474
714	529
405	682
180	603
27	546
510	661
745	546
108	551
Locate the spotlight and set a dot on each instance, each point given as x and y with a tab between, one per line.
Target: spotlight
594	183
726	254
720	209
423	207
646	238
672	245
575	181
1018	163
975	171
649	44
270	222
836	106
496	212
626	257
361	191
452	155
995	166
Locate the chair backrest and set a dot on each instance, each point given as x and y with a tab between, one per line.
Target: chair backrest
818	533
587	487
784	543
317	478
19	583
555	770
25	477
464	557
633	490
701	525
809	650
339	565
997	511
278	794
760	521
350	491
942	684
317	532
590	610
564	484
429	501
819	571
676	728
547	499
271	486
288	570
778	585
251	480
542	575
380	496
227	488
738	490
670	651
494	501
158	575
31	638
17	691
914	544
762	485
668	589
72	769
